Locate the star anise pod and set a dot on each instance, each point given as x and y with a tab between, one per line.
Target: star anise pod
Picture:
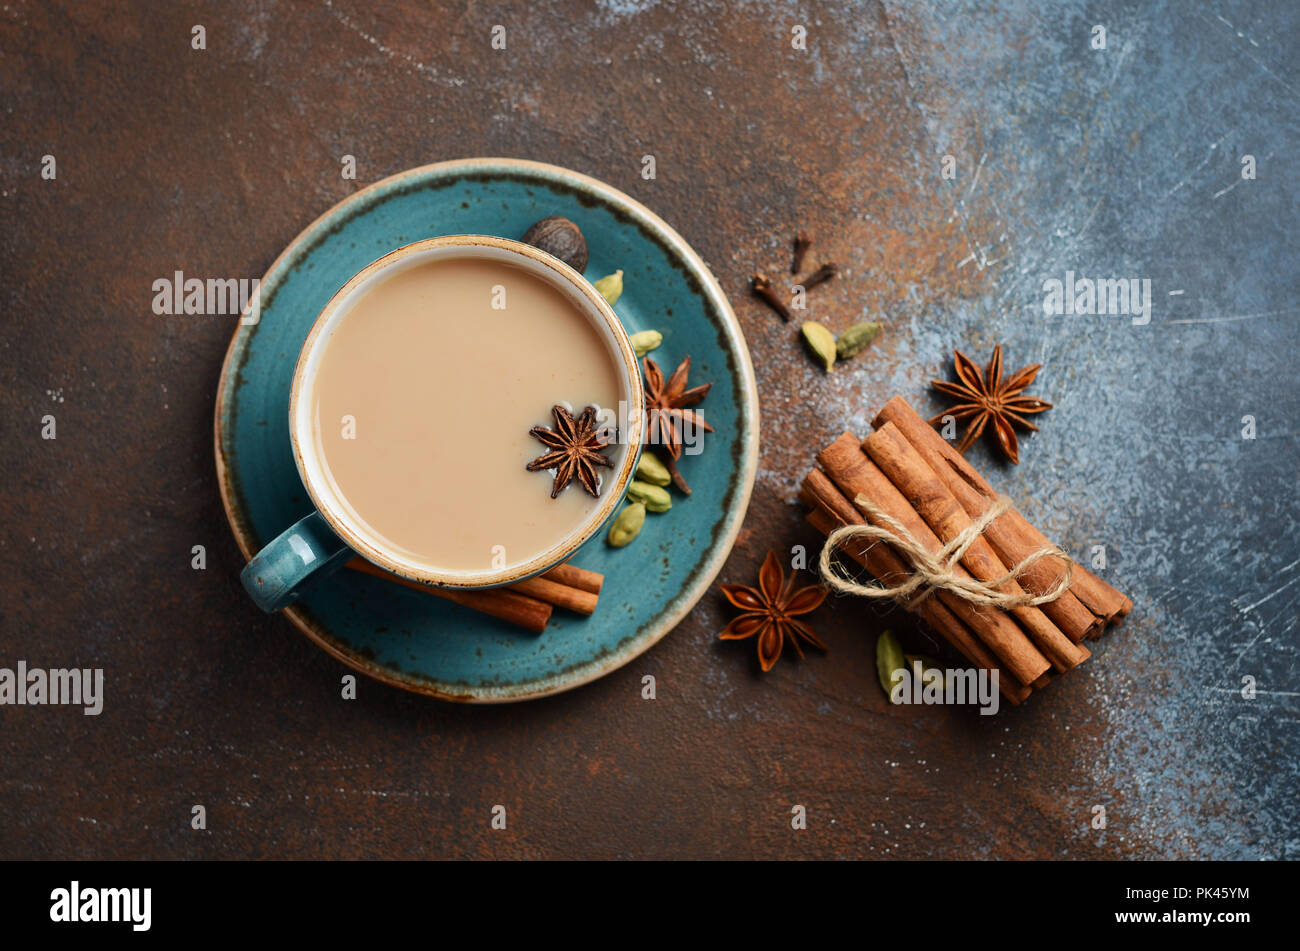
576	446
667	413
990	397
769	612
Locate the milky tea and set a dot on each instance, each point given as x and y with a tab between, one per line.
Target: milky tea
422	404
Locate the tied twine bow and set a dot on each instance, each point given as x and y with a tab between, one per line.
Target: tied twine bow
938	571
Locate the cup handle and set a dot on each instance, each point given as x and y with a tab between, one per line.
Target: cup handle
276	574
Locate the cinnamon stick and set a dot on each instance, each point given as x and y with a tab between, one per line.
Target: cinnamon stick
830	510
554	592
576	577
854	473
1096	595
1015	692
1067	612
936	505
502	603
564	586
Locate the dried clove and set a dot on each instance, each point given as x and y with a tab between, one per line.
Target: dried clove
802	242
763	288
675	474
821	275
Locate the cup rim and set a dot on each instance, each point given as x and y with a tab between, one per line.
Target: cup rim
300	425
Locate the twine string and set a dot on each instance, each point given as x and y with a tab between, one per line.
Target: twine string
937	571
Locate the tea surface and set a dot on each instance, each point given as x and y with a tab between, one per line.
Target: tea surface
423	400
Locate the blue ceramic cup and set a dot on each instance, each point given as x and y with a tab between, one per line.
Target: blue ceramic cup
329	536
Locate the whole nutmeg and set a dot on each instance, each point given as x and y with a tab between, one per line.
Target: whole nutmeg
559	237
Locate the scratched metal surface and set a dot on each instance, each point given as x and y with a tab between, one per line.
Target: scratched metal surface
1116	163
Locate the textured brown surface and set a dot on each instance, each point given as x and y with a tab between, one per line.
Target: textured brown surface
212	161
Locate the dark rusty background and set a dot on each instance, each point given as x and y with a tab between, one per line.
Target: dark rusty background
1115	162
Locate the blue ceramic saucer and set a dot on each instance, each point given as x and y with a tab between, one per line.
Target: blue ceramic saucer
414	640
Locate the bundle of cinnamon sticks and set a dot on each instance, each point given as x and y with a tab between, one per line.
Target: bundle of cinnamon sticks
911	473
528	603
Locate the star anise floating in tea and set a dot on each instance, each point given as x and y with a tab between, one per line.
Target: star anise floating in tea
576	446
988	397
770	610
668	413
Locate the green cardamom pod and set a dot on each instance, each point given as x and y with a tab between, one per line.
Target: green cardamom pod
820	341
654	498
611	287
627	525
854	340
889	658
645	341
650	469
